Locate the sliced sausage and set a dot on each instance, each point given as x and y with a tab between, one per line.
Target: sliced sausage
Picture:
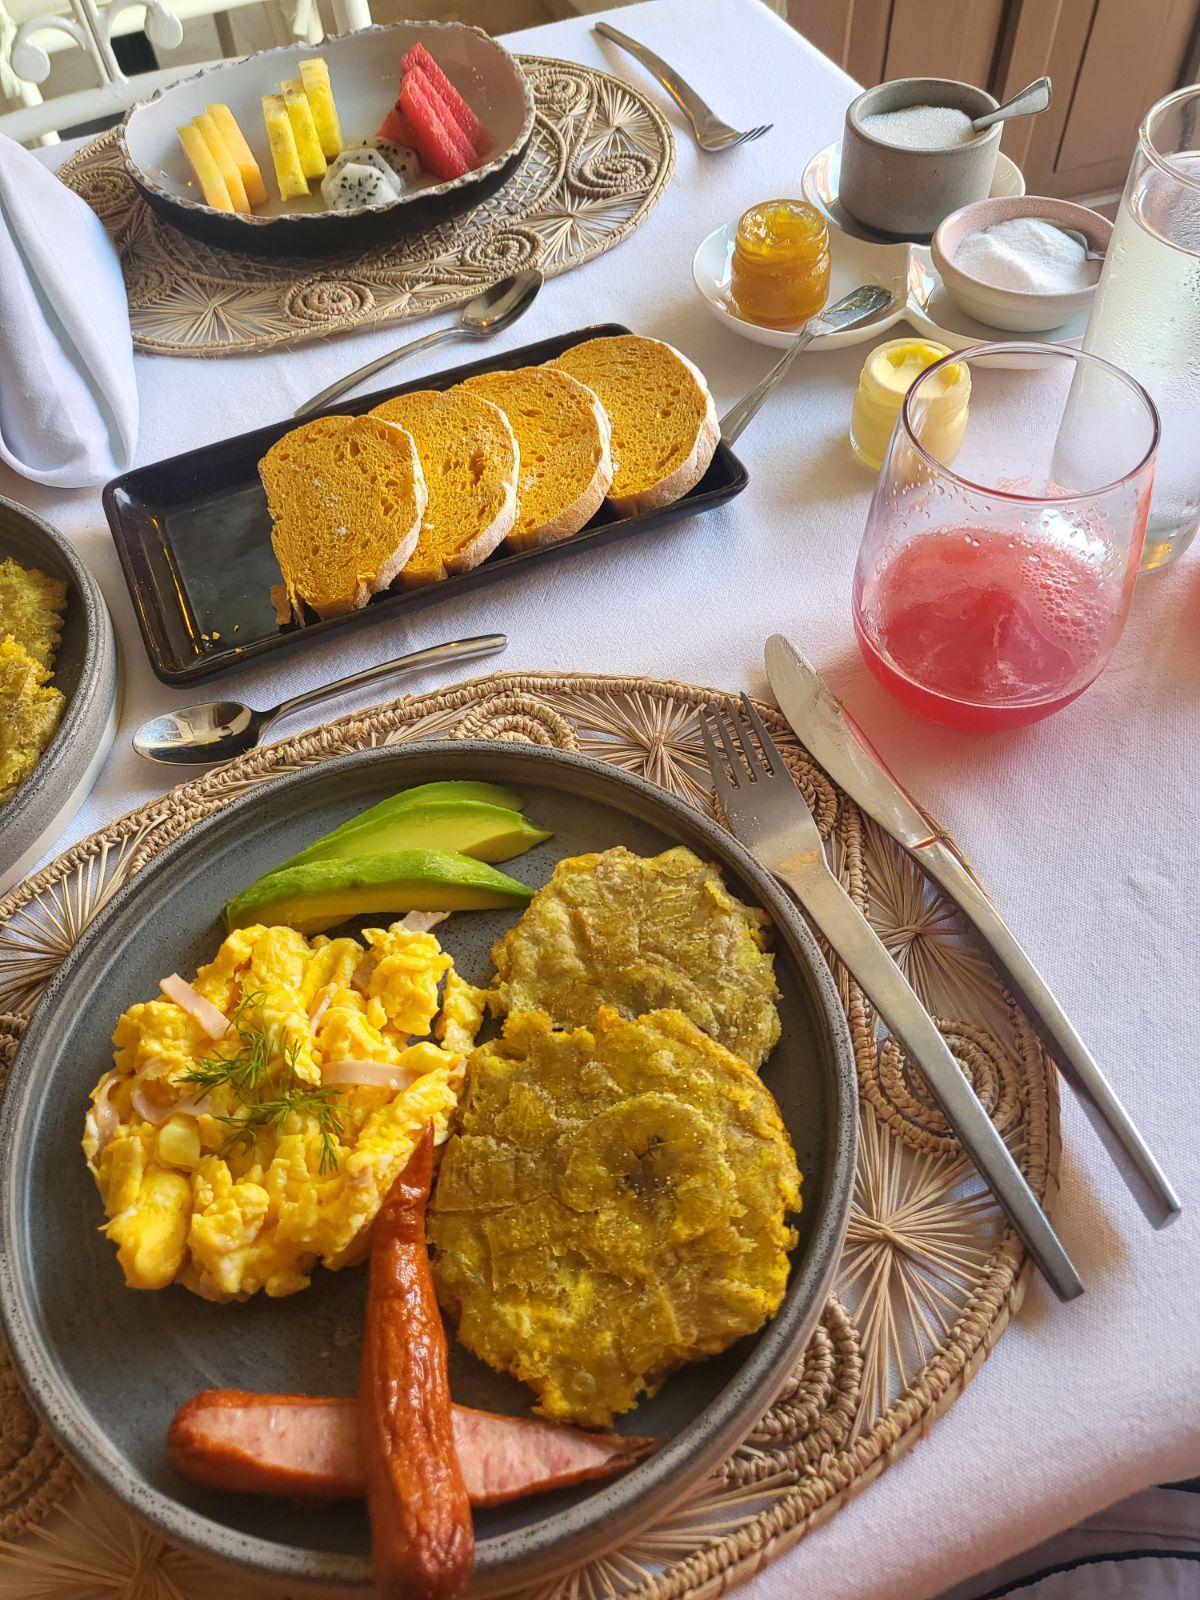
305	1447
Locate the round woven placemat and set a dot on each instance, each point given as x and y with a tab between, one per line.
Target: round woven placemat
598	162
930	1273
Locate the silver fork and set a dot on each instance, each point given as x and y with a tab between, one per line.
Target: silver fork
711	133
768	814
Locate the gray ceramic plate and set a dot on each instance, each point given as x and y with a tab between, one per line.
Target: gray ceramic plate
108	1367
86	672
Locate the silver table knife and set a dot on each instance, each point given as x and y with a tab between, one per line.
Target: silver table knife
863	304
830	735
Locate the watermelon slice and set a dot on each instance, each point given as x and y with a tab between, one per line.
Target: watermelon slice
439	141
396	127
448	97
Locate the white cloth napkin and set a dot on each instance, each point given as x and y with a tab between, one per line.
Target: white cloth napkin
68	397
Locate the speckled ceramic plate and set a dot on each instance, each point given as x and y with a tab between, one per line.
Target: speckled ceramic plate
108	1367
86	672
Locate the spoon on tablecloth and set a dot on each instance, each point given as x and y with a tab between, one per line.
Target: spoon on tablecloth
489	313
200	736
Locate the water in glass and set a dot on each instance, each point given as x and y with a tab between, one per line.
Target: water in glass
1146	315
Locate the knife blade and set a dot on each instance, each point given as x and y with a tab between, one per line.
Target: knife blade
833	739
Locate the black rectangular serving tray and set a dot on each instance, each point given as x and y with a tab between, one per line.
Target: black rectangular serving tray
194	537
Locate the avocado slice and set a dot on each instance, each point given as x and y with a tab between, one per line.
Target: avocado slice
319	894
489	833
489	794
421	794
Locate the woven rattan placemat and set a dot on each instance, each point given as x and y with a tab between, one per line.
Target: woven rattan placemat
599	160
930	1274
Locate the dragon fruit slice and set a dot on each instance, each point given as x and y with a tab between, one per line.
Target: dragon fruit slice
404	162
357	184
361	157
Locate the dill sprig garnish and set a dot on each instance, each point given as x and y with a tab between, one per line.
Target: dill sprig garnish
308	1099
247	1073
245	1070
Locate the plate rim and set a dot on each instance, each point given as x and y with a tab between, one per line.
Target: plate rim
784	1336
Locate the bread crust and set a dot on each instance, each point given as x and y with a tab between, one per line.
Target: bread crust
689	471
388	568
584	507
489	538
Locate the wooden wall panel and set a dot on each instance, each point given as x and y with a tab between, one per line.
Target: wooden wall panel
944	39
1109	59
851	32
1132	58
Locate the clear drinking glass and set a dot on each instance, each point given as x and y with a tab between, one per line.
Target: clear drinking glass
1146	314
995	573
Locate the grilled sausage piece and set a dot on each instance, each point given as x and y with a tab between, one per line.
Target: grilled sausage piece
305	1447
421	1536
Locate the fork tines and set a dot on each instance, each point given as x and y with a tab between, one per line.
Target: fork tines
753	762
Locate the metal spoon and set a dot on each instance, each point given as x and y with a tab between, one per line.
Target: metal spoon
868	301
1032	98
1090	253
490	312
205	734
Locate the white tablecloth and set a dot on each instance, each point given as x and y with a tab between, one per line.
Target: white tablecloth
1085	826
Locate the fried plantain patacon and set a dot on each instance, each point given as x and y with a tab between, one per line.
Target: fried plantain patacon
614	1205
643	933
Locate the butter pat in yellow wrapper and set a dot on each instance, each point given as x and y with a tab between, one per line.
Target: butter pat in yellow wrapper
888	373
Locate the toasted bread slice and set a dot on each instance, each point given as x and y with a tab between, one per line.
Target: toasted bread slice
563	437
346	497
664	422
469	456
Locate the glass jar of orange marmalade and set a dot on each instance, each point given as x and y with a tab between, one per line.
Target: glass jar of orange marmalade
781	263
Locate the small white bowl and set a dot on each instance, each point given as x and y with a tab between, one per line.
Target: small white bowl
1016	310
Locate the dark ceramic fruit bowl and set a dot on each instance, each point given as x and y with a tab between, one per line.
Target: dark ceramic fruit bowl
364	68
108	1367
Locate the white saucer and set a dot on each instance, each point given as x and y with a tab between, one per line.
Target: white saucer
819	186
931	311
906	269
851	262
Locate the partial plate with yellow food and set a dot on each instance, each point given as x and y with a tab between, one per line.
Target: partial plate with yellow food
58	687
311	150
199	1284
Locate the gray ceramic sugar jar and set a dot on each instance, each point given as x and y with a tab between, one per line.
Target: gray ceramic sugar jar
906	192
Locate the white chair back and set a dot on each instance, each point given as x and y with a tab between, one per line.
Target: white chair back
90	25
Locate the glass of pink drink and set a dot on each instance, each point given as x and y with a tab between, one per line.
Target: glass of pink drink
995	574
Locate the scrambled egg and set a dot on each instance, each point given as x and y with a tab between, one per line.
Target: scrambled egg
232	1165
